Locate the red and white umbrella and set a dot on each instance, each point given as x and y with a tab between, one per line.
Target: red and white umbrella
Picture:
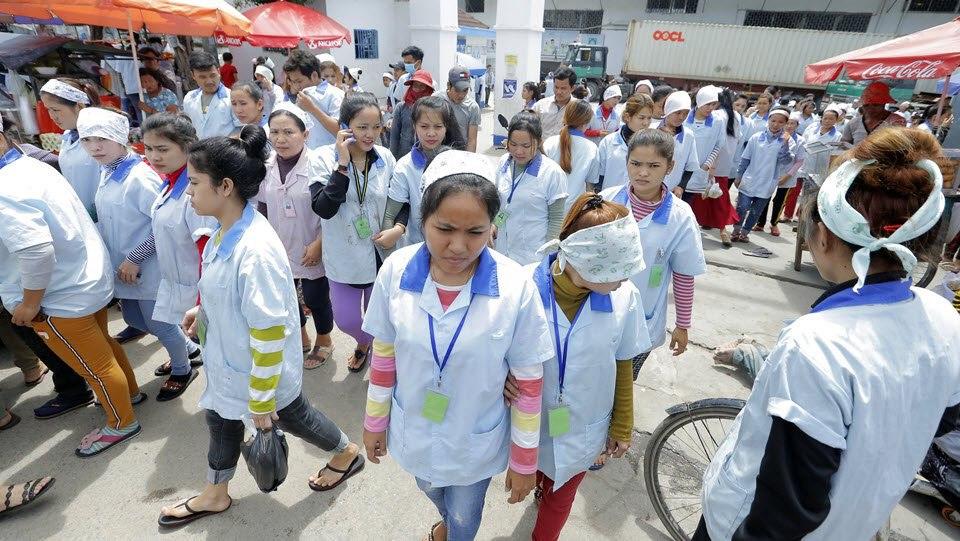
283	24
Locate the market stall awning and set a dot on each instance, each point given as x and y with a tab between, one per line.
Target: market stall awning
283	24
22	50
933	53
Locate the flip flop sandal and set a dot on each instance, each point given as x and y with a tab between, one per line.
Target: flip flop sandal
96	436
775	231
14	421
164	369
357	354
28	494
352	470
136	400
37	381
326	351
179	386
433	529
173	522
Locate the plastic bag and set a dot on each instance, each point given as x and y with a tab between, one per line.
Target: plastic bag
266	456
714	191
943	473
949	286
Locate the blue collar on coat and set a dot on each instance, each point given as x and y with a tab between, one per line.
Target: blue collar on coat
543	277
768	135
576	132
232	236
71	136
418	157
679	136
11	156
660	216
371	155
124	167
484	277
692	117
180	185
883	288
533	168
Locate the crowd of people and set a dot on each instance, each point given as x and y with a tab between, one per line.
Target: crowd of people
545	279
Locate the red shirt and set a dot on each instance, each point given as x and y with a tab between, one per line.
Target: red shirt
228	74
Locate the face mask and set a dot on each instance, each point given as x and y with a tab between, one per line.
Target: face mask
410	68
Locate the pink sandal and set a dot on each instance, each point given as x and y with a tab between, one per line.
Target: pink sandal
96	442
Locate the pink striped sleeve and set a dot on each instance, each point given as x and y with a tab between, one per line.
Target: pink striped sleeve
383	378
683	299
525	417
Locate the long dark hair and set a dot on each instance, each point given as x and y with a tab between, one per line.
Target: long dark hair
241	160
453	137
727	98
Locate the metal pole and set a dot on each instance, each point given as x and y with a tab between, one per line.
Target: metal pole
133	48
941	103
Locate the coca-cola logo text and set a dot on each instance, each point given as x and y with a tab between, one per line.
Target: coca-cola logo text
918	69
667	35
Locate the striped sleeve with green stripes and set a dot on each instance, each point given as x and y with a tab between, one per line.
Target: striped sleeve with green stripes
266	346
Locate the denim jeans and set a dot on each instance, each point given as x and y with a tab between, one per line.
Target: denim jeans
749	210
461	507
139	315
299	418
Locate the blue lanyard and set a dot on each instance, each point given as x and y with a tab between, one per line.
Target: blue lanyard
516	182
562	351
453	341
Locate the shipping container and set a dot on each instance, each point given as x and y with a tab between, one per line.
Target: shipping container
733	54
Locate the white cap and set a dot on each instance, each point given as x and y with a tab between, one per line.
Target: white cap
98	122
795	116
388	75
678	101
611	92
296	111
792	103
645	82
780	110
836	108
354	73
453	162
708	94
326	57
265	72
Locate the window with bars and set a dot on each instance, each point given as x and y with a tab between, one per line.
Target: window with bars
672	6
365	44
937	6
473	6
589	21
809	20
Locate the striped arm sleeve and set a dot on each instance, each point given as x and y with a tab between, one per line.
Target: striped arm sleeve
956	300
525	417
683	299
144	251
383	378
266	346
712	157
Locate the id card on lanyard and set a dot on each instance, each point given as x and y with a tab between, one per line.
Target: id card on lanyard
558	418
502	216
656	271
361	224
436	401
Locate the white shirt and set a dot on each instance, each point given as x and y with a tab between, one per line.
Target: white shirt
129	73
612	157
176	229
504	329
609	327
218	120
289	210
748	127
585	165
125	211
671	243
759	180
44	210
708	134
729	144
685	156
610	124
348	259
846	377
80	170
551	115
328	98
805	122
523	203
406	186
796	148
247	284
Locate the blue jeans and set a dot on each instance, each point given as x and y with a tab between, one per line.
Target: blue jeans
461	507
749	209
139	315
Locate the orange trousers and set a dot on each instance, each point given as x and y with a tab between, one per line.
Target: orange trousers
85	344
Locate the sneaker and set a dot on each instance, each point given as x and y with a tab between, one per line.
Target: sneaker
59	405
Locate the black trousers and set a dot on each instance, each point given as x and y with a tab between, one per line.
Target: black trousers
778	200
67	383
316	295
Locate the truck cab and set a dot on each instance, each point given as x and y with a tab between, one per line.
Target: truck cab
588	62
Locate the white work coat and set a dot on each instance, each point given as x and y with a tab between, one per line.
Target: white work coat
271	99
38	207
176	229
125	210
328	98
247	284
348	259
685	157
80	170
749	126
218	121
610	124
609	327
504	329
671	243
729	143
846	376
796	149
612	157
523	202
406	186
289	210
585	165
765	152
708	135
819	163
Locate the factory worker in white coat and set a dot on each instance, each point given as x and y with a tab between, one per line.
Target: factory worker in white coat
273	93
811	455
708	132
63	100
612	152
208	106
686	160
573	152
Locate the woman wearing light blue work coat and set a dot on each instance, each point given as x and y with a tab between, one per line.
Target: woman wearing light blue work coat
708	134
612	150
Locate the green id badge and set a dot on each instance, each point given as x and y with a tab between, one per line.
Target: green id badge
362	225
559	421
501	218
656	276
435	406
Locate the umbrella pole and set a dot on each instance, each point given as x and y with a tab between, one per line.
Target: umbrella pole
942	102
133	48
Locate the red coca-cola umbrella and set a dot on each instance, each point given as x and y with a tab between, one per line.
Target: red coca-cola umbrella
283	24
933	53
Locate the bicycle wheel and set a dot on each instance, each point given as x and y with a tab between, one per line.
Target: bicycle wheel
677	456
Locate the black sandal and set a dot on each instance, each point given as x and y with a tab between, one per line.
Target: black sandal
357	354
433	529
173	522
176	385
195	362
28	494
352	470
14	421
